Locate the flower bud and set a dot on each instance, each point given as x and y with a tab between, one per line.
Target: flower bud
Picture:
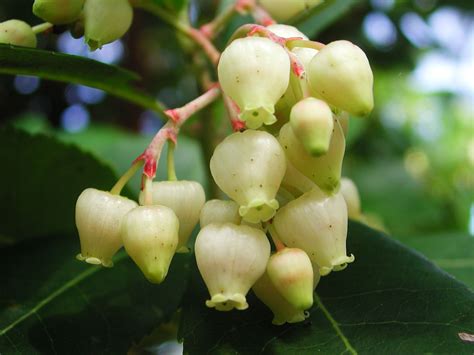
284	10
325	170
150	237
249	167
106	21
219	211
230	259
58	12
186	199
254	72
283	311
351	196
99	217
340	74
286	31
18	33
291	272
312	123
316	223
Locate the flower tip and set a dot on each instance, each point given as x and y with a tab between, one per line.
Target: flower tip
256	117
259	211
227	303
94	261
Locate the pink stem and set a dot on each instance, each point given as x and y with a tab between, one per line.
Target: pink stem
262	16
233	112
200	38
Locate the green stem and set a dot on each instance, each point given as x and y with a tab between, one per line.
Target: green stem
120	184
42	27
171	166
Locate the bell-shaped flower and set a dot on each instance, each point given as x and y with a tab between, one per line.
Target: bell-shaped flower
17	33
150	237
283	311
106	21
312	123
340	74
58	12
351	196
254	72
99	216
284	10
325	170
219	211
316	223
249	167
291	272
231	259
186	199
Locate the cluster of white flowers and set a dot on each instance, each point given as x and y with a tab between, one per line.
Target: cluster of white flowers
287	183
101	21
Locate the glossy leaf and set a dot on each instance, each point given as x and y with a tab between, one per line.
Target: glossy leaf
390	300
54	304
75	69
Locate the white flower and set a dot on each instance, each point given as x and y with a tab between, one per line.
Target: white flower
351	196
219	211
150	237
249	167
283	10
230	259
325	170
186	199
99	216
286	31
291	272
58	12
316	223
106	21
18	33
341	75
254	72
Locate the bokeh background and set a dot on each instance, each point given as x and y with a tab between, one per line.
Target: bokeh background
412	159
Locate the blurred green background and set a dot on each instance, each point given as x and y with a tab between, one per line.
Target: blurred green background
413	159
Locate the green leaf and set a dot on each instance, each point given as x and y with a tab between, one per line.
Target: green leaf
54	304
324	15
75	69
391	300
40	182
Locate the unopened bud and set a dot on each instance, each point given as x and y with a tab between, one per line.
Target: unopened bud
230	259
99	216
287	31
58	12
284	10
325	170
341	75
249	168
254	72
312	123
186	199
219	211
18	33
291	272
106	21
316	223
150	237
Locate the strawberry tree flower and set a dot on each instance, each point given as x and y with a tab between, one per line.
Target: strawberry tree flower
99	217
351	196
249	168
286	31
18	33
231	259
316	223
150	237
106	21
58	12
254	72
284	10
341	75
185	198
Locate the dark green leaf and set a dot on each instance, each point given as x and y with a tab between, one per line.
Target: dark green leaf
75	69
390	301
40	182
54	304
324	15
